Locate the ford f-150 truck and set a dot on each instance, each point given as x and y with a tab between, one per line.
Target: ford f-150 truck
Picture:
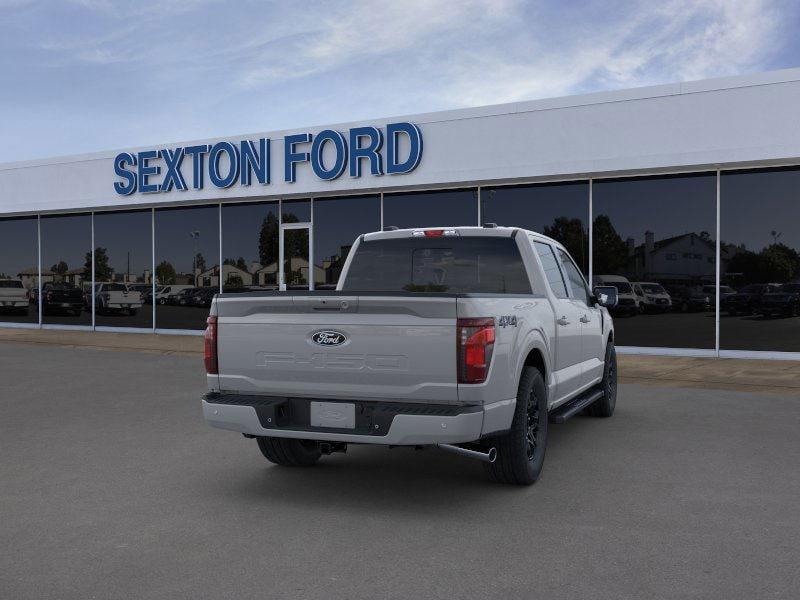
13	296
465	338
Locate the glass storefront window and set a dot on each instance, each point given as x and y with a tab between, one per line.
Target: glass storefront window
19	270
66	269
431	209
123	266
337	224
654	240
250	246
557	210
187	265
760	260
296	211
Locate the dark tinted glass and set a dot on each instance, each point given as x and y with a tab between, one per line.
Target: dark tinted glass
123	265
431	209
187	257
19	270
574	278
447	265
337	223
658	230
559	211
296	211
250	246
67	269
760	259
552	272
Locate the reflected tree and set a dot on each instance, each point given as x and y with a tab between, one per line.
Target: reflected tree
60	268
571	234
102	270
165	273
610	253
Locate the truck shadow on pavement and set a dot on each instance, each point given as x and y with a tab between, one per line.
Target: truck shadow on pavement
394	480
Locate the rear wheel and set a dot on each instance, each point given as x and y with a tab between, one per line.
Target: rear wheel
520	452
289	452
604	407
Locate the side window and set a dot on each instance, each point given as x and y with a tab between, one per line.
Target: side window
551	269
576	283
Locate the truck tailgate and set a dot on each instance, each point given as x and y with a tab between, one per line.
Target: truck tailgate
366	347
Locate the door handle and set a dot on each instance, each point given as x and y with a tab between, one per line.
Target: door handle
585	319
563	321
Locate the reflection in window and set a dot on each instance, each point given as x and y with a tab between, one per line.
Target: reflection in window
187	265
296	211
552	272
250	246
557	210
19	270
431	209
760	260
337	224
658	230
66	269
123	266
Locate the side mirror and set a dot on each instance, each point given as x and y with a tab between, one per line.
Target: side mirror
606	295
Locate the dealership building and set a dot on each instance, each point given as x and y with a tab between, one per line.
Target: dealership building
685	196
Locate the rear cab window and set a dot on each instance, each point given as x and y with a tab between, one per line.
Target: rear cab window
455	265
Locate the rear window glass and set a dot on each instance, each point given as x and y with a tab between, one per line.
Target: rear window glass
445	265
10	284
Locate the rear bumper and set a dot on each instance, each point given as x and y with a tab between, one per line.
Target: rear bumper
387	423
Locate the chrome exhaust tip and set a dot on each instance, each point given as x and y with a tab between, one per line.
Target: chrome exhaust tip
488	457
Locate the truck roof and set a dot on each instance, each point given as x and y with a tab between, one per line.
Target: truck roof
463	231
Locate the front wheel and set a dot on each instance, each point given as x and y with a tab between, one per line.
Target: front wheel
520	452
289	452
604	407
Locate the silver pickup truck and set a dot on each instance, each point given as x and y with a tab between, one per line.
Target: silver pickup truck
471	339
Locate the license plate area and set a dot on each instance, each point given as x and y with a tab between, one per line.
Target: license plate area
336	415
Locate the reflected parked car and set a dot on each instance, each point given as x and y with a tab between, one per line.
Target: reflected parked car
163	294
690	299
116	298
626	298
747	301
62	297
203	296
651	297
783	302
183	297
13	296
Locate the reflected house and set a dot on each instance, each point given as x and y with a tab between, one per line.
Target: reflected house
30	277
682	259
332	266
231	275
297	270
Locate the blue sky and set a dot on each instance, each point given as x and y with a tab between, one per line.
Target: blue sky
86	75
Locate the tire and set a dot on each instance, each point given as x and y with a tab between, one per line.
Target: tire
520	452
604	407
289	452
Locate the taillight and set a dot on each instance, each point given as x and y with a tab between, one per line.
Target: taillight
475	346
210	355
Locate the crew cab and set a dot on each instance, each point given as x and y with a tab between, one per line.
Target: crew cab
785	301
62	297
13	296
471	339
116	298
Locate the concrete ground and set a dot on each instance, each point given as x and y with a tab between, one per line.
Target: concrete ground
112	486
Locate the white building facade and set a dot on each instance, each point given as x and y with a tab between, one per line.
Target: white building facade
684	185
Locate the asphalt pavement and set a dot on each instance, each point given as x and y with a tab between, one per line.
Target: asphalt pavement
112	486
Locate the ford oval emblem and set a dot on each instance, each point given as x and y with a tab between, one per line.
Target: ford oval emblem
328	337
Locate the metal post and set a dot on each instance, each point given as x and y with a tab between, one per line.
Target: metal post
311	250
381	228
479	207
153	263
591	236
39	283
93	275
718	271
281	284
219	264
